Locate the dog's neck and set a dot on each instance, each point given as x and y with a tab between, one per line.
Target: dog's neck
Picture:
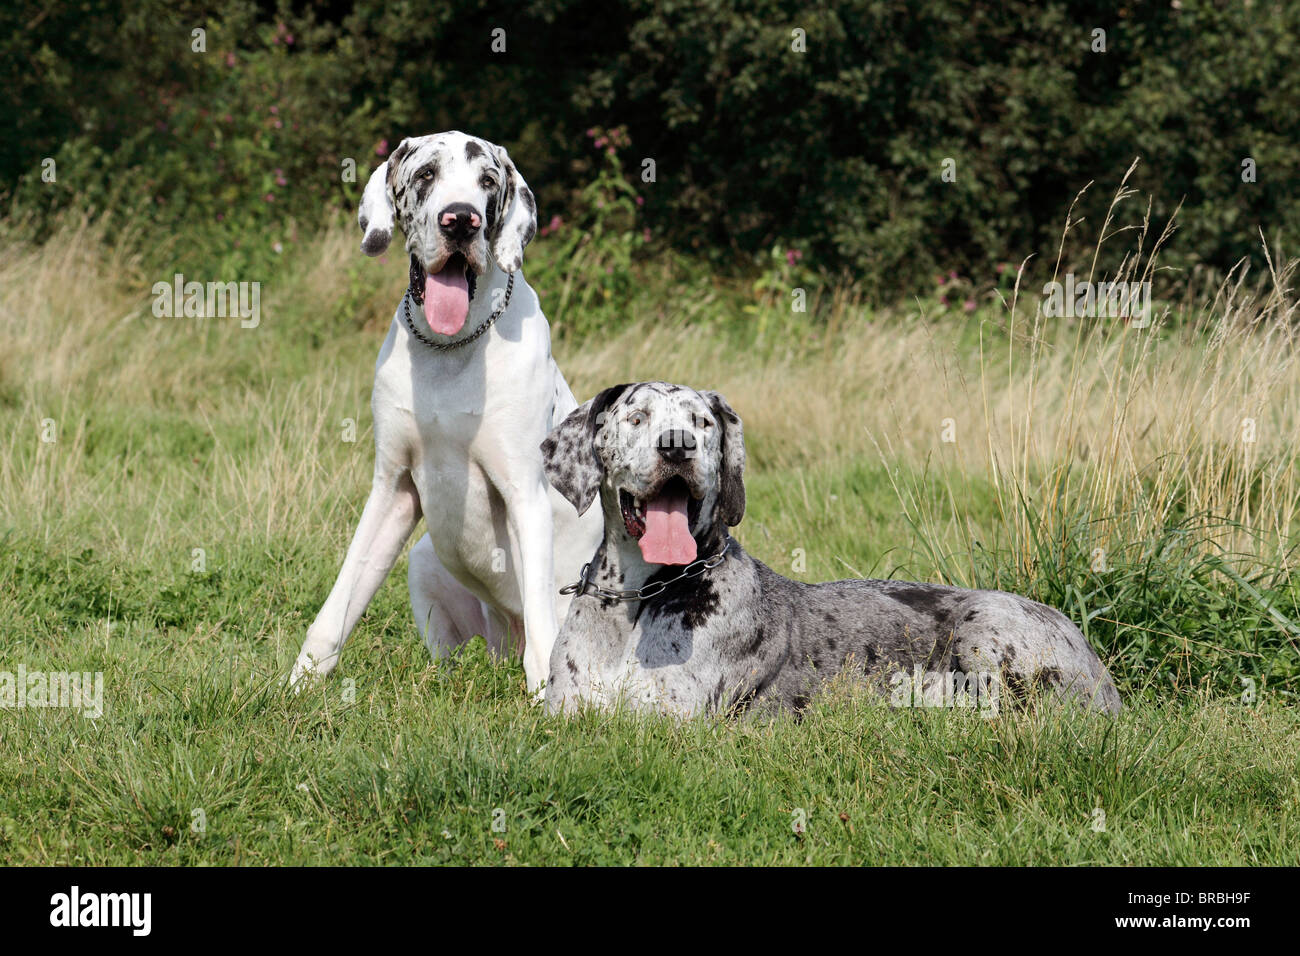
486	298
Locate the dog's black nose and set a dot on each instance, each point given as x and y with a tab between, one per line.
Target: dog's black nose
459	220
676	445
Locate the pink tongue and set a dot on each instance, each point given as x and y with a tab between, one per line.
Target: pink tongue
446	298
667	538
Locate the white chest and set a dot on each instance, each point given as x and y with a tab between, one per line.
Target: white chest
658	668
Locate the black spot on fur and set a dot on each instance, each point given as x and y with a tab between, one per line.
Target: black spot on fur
375	242
694	600
395	160
526	195
473	150
1020	690
423	185
573	668
922	599
1047	677
915	597
1040	613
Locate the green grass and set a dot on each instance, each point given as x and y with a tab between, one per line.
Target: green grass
420	761
175	436
397	759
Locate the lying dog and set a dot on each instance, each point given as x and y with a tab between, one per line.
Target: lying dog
672	615
465	389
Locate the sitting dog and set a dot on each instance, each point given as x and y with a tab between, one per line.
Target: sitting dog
465	390
672	615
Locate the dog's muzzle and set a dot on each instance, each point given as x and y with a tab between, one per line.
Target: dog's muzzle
444	295
661	521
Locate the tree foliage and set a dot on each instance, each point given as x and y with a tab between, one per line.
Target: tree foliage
836	150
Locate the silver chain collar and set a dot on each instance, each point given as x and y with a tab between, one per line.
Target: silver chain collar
692	570
418	295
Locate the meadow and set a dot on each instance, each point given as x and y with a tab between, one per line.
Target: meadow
176	496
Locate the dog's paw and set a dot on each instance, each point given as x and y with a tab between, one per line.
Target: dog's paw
305	672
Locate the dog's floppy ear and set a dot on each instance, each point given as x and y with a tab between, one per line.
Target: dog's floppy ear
569	452
515	222
375	214
731	490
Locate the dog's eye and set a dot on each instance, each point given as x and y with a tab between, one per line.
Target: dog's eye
487	182
427	174
636	419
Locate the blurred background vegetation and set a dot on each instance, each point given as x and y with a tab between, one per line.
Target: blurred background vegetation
830	159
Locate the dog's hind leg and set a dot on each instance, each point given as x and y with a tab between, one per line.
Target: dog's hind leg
386	523
446	613
1028	648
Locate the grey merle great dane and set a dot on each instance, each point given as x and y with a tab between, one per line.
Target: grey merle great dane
671	614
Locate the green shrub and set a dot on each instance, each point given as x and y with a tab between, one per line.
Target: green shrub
837	151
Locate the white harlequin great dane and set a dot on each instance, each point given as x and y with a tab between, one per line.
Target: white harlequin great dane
465	391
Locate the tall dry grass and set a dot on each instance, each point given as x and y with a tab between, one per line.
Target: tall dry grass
1131	430
1140	426
1134	428
172	430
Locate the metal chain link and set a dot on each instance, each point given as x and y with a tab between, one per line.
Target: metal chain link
694	569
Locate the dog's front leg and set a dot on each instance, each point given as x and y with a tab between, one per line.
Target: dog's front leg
531	523
387	521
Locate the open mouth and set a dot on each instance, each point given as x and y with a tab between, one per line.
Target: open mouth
445	295
661	523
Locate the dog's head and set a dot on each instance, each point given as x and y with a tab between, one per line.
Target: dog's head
459	200
668	460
